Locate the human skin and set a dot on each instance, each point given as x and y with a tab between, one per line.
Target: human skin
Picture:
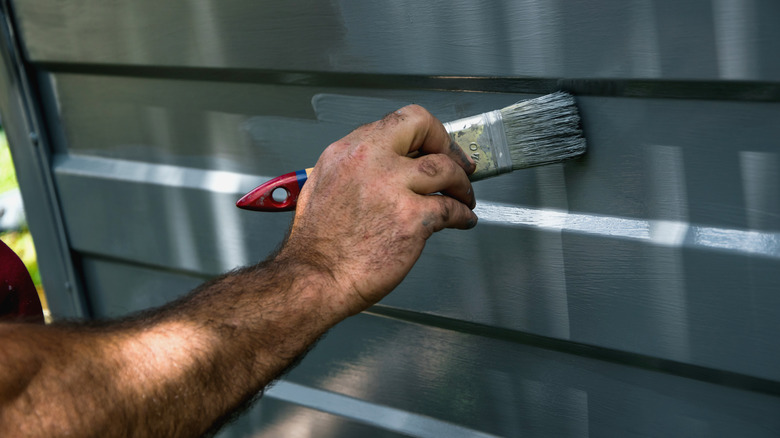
362	221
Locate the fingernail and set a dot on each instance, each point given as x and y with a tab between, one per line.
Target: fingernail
471	223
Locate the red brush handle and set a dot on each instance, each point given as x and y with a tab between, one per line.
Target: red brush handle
287	188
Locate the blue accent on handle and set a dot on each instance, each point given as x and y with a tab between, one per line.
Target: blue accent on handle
302	176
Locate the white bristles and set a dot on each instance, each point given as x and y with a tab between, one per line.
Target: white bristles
543	130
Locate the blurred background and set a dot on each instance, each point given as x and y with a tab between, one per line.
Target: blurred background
13	224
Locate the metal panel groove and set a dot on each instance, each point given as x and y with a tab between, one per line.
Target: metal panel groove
620	357
739	90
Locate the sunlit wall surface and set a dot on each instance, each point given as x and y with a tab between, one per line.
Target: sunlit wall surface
635	291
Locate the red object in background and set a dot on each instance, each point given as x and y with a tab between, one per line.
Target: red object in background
18	298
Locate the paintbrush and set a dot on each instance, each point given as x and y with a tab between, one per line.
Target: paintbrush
529	133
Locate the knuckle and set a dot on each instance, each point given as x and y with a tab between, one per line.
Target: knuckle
445	211
337	147
430	165
414	113
410	114
414	110
359	150
438	164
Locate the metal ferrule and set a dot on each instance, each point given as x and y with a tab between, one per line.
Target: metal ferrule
483	139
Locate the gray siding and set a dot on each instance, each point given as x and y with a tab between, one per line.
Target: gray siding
631	292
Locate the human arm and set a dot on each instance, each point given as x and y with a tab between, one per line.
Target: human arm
362	221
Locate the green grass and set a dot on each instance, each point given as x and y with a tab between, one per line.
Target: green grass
22	244
7	173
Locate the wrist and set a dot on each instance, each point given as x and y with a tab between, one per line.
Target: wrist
317	279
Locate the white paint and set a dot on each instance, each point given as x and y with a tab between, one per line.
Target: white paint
657	232
753	242
748	241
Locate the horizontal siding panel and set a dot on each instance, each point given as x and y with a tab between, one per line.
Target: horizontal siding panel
141	286
679	301
665	222
708	162
510	389
665	39
248	128
688	304
162	221
481	383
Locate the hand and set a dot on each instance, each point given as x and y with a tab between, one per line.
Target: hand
362	221
366	210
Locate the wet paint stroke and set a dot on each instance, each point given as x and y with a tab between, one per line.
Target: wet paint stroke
658	232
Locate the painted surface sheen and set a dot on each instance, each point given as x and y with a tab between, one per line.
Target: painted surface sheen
661	39
631	292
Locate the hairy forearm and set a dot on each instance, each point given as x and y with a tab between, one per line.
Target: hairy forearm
362	221
173	371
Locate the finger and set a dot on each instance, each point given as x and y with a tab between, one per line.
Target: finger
438	141
445	212
438	173
415	130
